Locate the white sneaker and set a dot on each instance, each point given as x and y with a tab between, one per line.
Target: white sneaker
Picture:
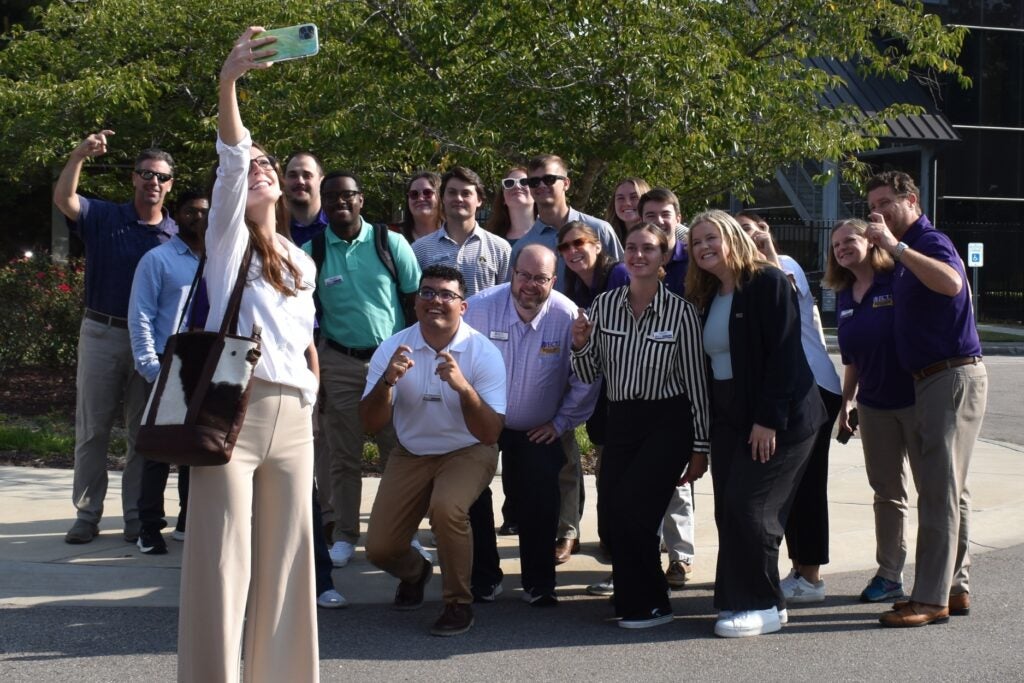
727	614
427	555
331	599
748	623
783	616
799	590
178	535
341	552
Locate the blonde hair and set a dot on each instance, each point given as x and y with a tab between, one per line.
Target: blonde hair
743	261
839	278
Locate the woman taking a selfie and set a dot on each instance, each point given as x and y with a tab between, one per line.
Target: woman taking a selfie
766	414
248	556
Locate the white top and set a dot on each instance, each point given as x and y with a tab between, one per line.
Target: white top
811	335
428	413
286	321
716	336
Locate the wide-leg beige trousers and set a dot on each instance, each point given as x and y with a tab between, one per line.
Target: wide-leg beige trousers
248	557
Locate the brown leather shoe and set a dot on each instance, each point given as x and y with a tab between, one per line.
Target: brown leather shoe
959	604
409	595
454	620
566	548
915	614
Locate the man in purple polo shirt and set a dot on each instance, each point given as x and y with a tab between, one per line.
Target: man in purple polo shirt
302	177
532	327
115	236
937	342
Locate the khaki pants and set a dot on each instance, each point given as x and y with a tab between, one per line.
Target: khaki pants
887	436
569	480
248	557
343	379
441	487
105	381
950	406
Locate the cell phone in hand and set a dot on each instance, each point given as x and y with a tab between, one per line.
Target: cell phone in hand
844	434
293	42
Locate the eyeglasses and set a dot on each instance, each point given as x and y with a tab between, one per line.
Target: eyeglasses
264	163
426	194
576	243
548	179
428	294
331	197
510	183
525	277
146	174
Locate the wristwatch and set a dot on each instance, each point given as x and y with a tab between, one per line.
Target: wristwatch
898	251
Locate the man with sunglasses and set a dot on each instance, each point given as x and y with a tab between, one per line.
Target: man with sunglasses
115	236
442	384
360	306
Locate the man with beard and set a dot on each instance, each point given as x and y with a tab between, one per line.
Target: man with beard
532	327
303	174
360	305
115	236
159	292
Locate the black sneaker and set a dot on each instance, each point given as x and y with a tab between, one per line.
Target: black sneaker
152	542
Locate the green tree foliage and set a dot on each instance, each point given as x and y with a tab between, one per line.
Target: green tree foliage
704	96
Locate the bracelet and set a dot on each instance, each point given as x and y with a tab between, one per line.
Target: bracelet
384	378
898	251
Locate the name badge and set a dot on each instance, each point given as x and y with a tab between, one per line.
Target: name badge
431	397
848	313
662	335
333	280
550	348
881	301
498	336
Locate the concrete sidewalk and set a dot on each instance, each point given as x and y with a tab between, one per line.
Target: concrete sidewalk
38	568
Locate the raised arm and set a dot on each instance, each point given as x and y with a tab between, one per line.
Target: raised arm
240	61
65	192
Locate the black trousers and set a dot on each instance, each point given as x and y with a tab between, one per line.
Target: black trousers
536	472
322	566
648	446
510	508
752	503
151	495
807	528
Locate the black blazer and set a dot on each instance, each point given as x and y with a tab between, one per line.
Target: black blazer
774	384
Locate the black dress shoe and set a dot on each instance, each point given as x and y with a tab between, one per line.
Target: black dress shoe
409	595
508	529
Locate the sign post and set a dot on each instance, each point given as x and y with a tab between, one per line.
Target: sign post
975	260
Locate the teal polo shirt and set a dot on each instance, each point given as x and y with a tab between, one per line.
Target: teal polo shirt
361	304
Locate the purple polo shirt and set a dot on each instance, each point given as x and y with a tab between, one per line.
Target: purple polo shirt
675	272
115	239
931	327
867	340
304	233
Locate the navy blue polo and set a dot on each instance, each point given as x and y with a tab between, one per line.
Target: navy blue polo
867	340
115	239
932	327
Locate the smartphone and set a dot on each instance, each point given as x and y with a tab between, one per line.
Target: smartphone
844	434
293	42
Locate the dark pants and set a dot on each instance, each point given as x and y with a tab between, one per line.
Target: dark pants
151	495
321	557
752	504
807	528
510	508
648	446
536	470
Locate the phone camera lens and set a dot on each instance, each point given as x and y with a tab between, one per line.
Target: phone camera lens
306	32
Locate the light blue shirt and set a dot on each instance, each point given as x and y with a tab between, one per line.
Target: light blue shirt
541	385
159	290
716	336
542	233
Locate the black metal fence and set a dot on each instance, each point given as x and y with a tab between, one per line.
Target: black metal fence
1000	280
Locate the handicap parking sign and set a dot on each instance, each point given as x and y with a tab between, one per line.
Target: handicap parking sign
976	254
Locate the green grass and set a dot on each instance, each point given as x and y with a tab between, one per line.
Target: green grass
40	436
989	336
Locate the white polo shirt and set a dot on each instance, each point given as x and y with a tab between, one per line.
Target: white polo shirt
428	413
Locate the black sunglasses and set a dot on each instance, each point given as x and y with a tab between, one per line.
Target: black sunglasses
578	242
146	174
548	179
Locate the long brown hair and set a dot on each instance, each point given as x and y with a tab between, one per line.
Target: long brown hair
641	187
408	222
602	265
744	258
839	278
499	222
274	267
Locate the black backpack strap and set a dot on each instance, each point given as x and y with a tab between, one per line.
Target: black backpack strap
380	240
319	249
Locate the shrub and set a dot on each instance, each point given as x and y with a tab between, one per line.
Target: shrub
41	308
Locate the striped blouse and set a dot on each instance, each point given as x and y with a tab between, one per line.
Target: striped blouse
661	355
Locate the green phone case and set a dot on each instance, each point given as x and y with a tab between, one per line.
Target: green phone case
293	42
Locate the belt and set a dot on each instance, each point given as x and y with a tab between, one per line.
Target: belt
361	354
106	319
945	365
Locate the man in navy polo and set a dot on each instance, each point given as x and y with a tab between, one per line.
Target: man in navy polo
303	174
115	236
937	342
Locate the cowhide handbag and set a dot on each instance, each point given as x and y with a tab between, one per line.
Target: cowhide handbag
198	403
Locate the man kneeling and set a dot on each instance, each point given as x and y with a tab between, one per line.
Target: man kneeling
443	385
